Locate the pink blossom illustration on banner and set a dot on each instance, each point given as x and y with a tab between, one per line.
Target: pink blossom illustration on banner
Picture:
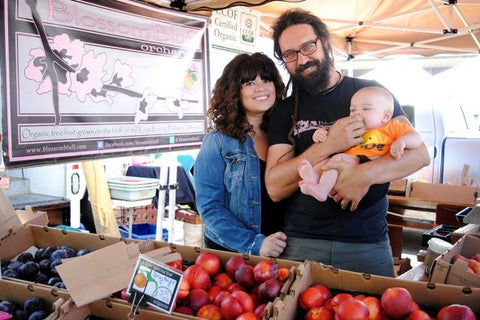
65	67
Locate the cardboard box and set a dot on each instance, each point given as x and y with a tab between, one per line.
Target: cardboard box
189	255
399	187
11	219
445	272
427	295
470	229
108	309
463	195
19	292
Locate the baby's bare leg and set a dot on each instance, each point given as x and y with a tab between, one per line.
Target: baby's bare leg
307	172
327	179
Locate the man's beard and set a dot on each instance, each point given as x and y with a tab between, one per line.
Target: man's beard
317	80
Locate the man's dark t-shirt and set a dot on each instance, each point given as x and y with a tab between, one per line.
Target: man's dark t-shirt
306	217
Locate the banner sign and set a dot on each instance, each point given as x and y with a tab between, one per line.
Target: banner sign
93	79
235	29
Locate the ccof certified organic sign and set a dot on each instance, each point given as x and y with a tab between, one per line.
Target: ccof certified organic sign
155	284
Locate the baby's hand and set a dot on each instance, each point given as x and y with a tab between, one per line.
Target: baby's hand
320	135
397	148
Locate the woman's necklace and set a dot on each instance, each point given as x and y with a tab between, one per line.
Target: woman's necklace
340	77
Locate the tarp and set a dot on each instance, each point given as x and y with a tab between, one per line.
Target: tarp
374	27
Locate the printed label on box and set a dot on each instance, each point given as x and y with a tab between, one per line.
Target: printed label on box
155	284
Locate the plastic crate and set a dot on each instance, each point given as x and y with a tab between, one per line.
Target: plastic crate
142	231
441	231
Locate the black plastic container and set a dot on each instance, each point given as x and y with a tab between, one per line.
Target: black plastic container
441	231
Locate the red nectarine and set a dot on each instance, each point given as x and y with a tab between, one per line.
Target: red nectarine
396	302
319	313
352	309
209	311
310	298
456	312
232	264
210	262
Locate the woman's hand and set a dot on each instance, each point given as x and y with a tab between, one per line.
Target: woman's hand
273	245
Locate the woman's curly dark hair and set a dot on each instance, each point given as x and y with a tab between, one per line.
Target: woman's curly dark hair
226	110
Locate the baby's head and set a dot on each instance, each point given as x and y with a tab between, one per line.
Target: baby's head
374	104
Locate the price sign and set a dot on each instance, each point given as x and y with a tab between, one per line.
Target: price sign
155	284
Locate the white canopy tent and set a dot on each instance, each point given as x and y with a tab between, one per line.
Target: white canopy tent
372	27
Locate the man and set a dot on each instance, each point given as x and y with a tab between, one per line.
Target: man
349	230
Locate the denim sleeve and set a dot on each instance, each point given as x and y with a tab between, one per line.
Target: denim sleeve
211	201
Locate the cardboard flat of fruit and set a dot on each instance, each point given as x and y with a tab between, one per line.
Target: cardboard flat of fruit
432	295
470	229
11	219
458	273
189	255
109	309
19	293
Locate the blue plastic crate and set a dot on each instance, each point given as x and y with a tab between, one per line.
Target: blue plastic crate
142	231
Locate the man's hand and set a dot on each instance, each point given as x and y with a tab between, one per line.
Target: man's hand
273	245
345	133
351	185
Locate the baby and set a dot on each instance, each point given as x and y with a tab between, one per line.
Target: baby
382	135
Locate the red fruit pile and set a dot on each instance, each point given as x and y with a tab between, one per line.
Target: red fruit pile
395	303
473	262
234	291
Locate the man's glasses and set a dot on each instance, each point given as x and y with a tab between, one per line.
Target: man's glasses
306	49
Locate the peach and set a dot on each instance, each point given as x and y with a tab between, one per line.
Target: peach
373	305
209	311
474	265
184	289
396	302
269	290
340	298
197	298
210	262
177	264
235	287
456	312
232	264
184	310
245	300
265	270
213	291
319	313
245	276
476	256
231	308
220	296
198	277
418	315
325	291
259	310
222	280
282	274
248	316
310	298
458	257
352	309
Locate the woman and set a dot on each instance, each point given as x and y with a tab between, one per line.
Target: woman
231	197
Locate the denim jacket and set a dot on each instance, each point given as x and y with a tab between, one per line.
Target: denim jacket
228	193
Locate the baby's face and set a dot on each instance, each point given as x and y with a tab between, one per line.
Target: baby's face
370	108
